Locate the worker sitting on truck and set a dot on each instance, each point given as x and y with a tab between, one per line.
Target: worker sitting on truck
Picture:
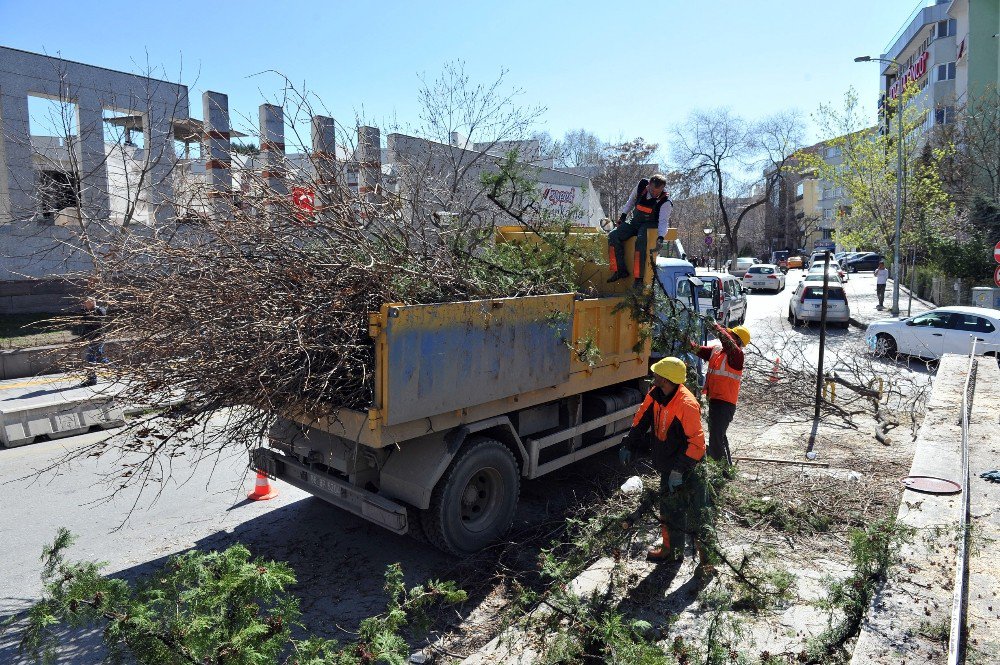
722	385
673	416
650	206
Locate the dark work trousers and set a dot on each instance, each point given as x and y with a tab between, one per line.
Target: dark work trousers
720	414
616	242
880	292
682	511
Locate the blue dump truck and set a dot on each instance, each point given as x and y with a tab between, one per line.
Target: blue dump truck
472	397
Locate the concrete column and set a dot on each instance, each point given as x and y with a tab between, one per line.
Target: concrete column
216	148
369	156
18	180
272	149
159	138
324	145
93	169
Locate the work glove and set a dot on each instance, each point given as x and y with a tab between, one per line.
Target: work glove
624	455
621	218
991	476
659	243
674	480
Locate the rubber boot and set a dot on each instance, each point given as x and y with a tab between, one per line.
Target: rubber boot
705	569
661	552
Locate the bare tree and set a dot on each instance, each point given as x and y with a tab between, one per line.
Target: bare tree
580	148
726	153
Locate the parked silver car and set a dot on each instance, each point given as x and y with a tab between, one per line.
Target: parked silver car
723	294
807	304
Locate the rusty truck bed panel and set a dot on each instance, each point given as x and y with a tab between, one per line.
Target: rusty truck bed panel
450	356
441	366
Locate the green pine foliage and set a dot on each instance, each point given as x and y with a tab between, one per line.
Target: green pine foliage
211	608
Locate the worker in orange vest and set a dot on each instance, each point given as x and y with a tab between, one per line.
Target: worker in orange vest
722	385
672	415
650	206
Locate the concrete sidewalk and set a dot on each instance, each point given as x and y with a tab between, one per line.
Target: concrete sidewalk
860	288
909	619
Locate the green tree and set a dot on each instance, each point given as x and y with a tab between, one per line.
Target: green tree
867	173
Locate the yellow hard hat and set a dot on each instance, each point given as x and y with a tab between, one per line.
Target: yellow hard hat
671	369
742	333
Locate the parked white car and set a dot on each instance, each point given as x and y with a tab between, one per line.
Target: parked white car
817	276
807	304
764	277
817	269
937	332
742	264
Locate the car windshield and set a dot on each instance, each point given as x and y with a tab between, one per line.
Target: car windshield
763	270
816	293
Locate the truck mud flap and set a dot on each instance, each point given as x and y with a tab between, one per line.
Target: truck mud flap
374	508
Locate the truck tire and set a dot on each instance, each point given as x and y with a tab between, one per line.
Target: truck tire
473	504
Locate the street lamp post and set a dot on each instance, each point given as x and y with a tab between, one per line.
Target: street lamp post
899	183
708	231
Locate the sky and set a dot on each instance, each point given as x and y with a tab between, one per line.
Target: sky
617	70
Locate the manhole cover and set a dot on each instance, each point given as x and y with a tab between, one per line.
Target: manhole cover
931	485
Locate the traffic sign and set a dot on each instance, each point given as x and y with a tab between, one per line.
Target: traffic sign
996	276
996	253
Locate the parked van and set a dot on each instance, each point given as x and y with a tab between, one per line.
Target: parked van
722	295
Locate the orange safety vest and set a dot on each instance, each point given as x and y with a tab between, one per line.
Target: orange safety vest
676	426
722	382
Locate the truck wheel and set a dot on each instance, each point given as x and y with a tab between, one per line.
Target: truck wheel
473	504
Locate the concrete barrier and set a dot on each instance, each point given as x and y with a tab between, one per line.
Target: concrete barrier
73	412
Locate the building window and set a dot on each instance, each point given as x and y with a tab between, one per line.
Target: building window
800	190
828	214
946	28
827	234
946	71
944	115
832	152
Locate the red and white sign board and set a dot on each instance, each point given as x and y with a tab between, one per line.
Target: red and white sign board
996	253
304	199
996	276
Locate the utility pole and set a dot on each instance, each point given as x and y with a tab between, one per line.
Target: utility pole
899	180
822	335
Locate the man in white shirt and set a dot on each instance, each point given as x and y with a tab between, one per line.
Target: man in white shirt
881	277
650	206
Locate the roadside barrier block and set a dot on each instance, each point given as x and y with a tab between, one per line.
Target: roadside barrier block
21	424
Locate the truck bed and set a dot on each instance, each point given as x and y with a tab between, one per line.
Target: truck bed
442	365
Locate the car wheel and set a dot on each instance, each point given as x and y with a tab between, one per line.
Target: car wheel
473	504
885	346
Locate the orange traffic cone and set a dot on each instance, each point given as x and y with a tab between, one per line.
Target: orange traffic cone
262	491
774	371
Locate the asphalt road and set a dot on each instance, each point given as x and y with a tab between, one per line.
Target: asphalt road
774	336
